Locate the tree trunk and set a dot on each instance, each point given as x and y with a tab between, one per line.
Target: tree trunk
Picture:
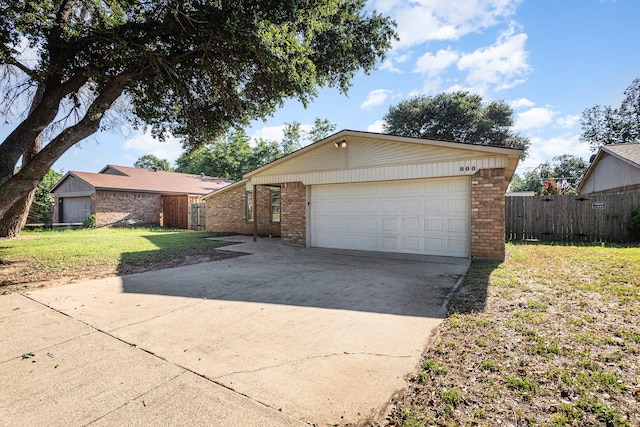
27	179
43	110
12	222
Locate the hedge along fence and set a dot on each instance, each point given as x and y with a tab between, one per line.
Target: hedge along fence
575	218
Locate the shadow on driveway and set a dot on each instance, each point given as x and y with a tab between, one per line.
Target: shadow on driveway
273	273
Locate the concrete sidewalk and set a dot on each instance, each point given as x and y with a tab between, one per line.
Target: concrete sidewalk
282	336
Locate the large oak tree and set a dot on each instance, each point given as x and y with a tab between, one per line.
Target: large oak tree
192	69
603	125
457	116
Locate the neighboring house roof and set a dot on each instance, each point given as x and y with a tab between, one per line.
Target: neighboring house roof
346	135
628	154
122	178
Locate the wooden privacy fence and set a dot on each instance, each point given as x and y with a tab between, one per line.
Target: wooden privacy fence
576	218
198	216
176	210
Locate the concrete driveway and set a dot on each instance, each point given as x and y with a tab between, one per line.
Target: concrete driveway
283	336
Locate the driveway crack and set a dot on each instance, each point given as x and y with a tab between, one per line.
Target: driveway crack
157	316
320	356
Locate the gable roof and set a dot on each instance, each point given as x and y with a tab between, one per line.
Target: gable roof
513	154
123	178
628	153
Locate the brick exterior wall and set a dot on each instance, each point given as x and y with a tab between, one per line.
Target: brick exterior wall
114	206
294	213
226	213
488	187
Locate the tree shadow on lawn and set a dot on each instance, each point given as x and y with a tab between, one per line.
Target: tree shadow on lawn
285	275
187	249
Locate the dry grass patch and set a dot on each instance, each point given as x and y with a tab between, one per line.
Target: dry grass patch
550	337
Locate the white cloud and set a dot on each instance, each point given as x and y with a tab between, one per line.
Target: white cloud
145	143
270	133
433	65
500	65
521	103
568	121
544	149
376	97
377	126
387	65
420	21
534	118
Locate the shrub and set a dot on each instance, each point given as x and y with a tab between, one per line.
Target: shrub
90	221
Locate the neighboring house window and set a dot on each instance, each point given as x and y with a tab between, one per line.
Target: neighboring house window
275	205
249	205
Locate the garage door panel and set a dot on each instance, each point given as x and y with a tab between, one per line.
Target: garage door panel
429	216
390	206
433	207
76	209
456	245
390	224
433	224
458	186
433	245
411	244
411	225
457	226
411	207
369	224
390	243
457	206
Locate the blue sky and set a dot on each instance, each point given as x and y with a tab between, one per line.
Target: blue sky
549	59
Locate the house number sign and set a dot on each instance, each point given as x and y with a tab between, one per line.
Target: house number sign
598	205
467	168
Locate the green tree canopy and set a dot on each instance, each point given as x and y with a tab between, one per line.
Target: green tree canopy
192	69
457	116
230	156
43	201
565	171
295	138
151	162
603	125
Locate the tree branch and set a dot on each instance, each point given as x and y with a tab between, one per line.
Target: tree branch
38	119
27	178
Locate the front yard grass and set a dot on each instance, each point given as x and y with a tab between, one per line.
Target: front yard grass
550	337
40	258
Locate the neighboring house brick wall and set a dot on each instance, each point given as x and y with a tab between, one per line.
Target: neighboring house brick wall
114	206
488	187
226	212
294	213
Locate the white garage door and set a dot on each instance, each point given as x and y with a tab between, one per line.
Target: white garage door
428	216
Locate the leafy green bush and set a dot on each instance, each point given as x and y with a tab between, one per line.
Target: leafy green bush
634	226
90	222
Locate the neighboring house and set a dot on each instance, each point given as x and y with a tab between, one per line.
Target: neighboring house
119	193
368	191
616	168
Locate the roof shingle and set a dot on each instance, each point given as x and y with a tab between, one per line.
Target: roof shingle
135	179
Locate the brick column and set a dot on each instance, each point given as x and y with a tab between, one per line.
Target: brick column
293	211
488	187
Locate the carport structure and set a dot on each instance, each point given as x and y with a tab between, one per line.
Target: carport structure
366	191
